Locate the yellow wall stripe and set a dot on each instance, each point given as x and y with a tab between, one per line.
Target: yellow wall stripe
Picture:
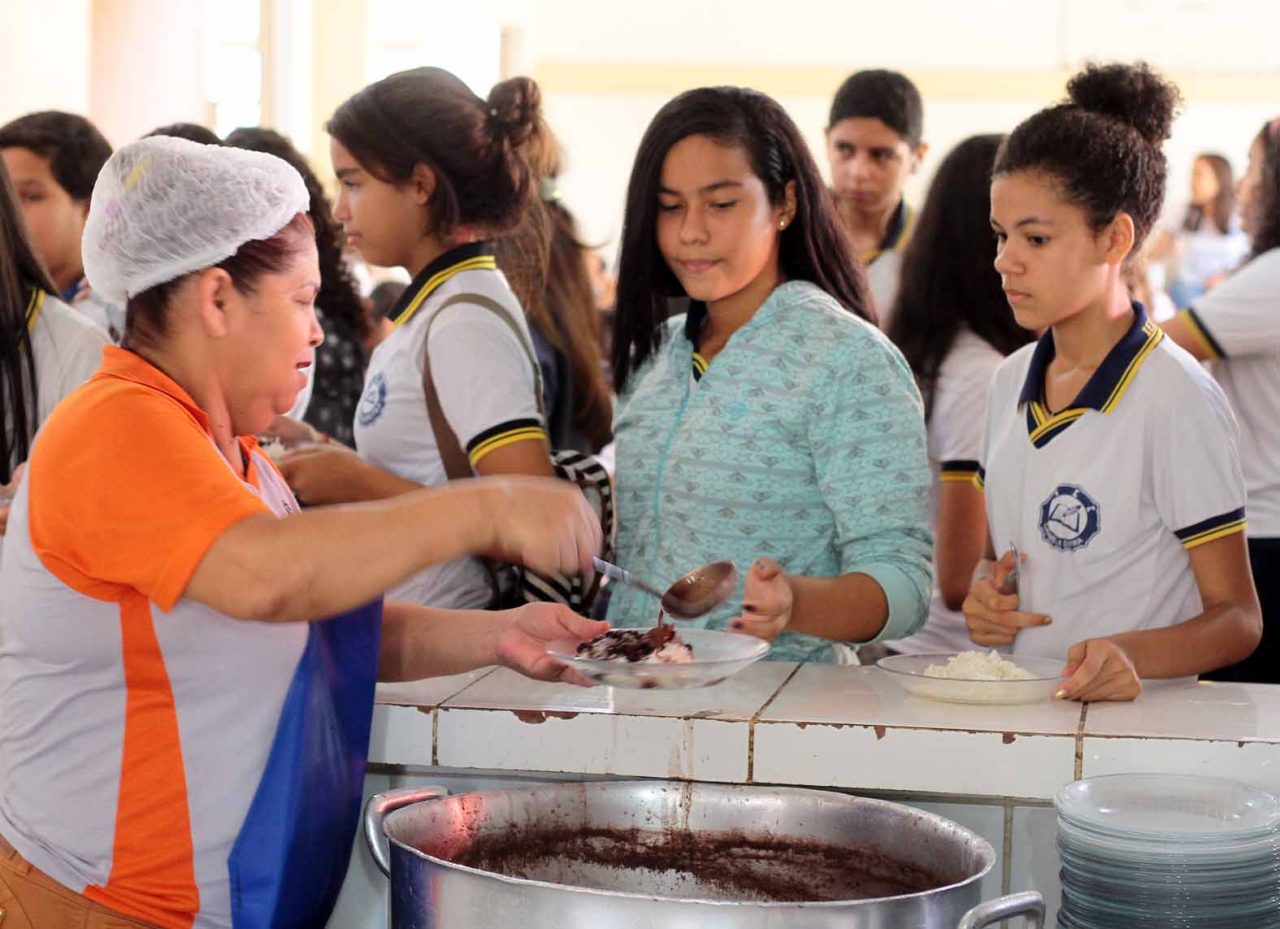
1035	85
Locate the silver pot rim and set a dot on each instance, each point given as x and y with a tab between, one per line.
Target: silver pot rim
984	847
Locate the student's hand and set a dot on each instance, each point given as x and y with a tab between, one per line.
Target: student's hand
766	602
992	617
540	522
292	432
522	645
1099	669
326	473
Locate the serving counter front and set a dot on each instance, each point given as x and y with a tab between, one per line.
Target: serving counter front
993	769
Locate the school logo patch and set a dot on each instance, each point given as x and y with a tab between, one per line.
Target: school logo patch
374	400
1070	518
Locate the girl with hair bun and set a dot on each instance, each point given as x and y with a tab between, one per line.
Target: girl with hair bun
430	175
1237	326
1110	458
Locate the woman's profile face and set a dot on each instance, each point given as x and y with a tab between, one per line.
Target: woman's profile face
272	335
380	220
716	228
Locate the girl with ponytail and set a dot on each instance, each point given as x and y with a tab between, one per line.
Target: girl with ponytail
430	176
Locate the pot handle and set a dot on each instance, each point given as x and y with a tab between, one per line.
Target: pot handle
383	804
1029	904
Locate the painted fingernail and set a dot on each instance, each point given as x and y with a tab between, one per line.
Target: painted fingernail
737	627
1060	695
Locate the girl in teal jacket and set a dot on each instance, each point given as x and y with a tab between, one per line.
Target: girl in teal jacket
770	423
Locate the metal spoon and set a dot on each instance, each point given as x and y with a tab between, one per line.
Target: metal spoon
696	594
1010	584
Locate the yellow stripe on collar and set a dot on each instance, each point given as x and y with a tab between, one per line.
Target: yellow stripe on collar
34	308
479	263
1154	335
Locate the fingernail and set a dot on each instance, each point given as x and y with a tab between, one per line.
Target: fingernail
737	627
1060	695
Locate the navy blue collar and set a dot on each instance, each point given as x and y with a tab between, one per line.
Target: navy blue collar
1113	375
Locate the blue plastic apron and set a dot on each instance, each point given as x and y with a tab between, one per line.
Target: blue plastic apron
290	858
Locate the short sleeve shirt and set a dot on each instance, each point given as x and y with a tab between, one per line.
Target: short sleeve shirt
1238	323
485	383
135	724
955	448
1106	496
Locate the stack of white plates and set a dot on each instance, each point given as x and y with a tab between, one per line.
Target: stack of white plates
1141	851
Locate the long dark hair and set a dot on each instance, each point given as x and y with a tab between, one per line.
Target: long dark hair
1267	234
1224	204
20	273
949	280
338	296
813	247
545	261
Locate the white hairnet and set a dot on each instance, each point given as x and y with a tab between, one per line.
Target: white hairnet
164	207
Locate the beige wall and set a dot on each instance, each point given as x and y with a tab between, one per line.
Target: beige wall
43	67
146	66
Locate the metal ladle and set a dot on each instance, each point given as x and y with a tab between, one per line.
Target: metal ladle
696	594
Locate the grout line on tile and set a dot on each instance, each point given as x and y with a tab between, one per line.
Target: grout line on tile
751	726
1006	865
465	687
1084	715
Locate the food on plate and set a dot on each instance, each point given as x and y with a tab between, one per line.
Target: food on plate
979	666
661	645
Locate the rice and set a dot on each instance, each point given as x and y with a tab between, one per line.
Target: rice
978	666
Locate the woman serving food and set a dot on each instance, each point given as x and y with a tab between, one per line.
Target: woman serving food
182	740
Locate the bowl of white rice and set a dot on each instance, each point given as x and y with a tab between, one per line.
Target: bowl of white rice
976	676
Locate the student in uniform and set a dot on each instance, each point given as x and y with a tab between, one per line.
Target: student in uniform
47	349
954	327
1237	326
771	425
1110	456
874	143
189	662
429	173
53	159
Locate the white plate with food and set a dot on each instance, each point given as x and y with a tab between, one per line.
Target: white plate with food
636	658
976	677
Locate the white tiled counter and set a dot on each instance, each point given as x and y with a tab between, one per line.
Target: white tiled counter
992	769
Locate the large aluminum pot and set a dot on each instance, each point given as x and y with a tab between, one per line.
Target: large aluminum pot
667	855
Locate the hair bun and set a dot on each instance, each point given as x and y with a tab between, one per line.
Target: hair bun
1132	94
515	109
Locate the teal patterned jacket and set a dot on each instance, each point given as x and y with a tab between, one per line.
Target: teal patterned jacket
803	441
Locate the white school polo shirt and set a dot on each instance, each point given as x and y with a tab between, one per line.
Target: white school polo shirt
955	447
486	388
1106	496
1238	323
